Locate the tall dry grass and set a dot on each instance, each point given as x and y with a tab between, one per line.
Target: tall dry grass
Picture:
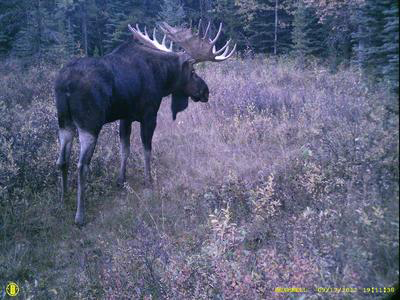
286	178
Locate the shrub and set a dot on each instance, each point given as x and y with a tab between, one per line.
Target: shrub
288	177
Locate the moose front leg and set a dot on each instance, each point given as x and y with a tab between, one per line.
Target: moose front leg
147	127
125	127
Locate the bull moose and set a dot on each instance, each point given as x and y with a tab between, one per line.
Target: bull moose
128	85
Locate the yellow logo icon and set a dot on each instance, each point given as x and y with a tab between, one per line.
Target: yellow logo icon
12	289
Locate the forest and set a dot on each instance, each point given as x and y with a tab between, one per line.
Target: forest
284	185
340	32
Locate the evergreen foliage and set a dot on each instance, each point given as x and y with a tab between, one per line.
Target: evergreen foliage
363	31
373	22
172	12
390	46
258	18
307	35
115	15
377	39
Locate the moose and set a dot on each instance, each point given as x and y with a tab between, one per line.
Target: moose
128	85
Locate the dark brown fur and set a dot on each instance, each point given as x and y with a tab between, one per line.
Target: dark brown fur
127	85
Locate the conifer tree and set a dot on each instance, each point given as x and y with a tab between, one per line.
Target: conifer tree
266	24
390	46
65	26
371	22
26	38
172	12
10	23
113	32
306	33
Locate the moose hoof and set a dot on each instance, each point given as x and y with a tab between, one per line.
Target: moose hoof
79	219
120	182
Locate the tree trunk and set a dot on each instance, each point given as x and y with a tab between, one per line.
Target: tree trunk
276	28
84	29
361	47
38	46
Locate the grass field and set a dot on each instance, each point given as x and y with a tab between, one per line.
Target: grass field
287	178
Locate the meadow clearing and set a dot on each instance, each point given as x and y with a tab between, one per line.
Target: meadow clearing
287	177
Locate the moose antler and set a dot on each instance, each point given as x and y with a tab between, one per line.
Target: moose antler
144	37
199	48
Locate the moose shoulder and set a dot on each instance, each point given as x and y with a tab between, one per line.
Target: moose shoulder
128	85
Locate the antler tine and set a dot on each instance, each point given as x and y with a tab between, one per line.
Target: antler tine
140	32
208	27
167	29
131	28
199	28
215	52
154	34
224	56
218	34
145	38
225	52
197	45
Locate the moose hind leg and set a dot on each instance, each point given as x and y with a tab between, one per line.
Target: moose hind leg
146	132
87	142
66	136
124	136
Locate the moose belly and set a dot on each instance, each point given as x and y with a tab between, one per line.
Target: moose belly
122	109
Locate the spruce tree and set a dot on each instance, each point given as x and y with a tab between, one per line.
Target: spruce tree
263	21
390	47
306	33
64	13
115	16
172	12
372	23
26	38
39	35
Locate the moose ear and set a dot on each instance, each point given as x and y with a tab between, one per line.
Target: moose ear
179	103
187	66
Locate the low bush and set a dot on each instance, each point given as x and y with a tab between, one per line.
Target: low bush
288	177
